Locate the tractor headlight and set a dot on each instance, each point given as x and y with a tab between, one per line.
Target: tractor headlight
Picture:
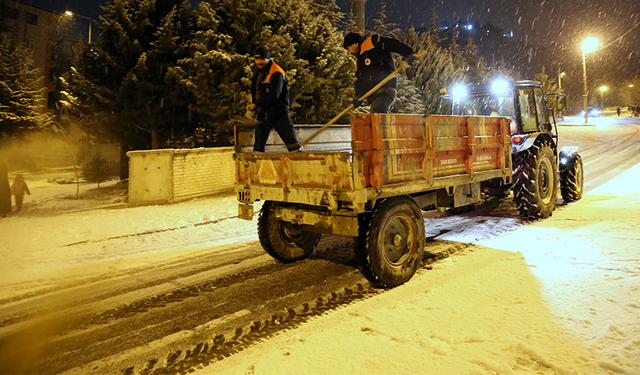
458	93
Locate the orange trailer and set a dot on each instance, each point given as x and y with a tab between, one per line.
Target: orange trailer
370	180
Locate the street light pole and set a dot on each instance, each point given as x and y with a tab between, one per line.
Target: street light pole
70	13
585	94
589	45
560	75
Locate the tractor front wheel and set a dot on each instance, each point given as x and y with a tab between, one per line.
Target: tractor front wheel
571	181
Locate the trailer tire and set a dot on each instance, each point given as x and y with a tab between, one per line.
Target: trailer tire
284	241
392	247
360	246
535	181
571	181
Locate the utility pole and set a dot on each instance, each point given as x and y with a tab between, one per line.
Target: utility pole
357	12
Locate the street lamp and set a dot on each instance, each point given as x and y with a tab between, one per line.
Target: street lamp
602	90
589	45
560	75
71	14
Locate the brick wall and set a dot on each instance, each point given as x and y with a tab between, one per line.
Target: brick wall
174	175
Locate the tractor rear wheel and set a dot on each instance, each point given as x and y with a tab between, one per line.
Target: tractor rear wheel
535	181
286	242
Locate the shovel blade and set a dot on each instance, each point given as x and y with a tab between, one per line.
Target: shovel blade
245	120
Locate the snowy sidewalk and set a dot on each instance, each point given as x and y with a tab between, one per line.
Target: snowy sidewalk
57	239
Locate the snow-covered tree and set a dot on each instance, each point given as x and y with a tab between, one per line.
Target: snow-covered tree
549	86
120	88
304	41
475	68
499	69
20	93
434	71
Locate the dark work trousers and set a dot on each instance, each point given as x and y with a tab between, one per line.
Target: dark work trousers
282	124
382	100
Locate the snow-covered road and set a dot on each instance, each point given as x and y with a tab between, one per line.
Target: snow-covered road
558	296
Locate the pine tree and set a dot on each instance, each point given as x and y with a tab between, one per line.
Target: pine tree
499	69
456	53
475	68
20	93
549	86
303	39
434	71
121	90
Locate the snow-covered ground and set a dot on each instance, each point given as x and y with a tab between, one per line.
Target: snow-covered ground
556	296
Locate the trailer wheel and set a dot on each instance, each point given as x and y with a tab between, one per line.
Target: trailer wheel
571	181
393	242
284	241
535	182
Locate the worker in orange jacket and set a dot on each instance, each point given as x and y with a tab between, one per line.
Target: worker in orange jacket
374	62
270	101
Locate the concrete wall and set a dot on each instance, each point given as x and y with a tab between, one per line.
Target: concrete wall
173	175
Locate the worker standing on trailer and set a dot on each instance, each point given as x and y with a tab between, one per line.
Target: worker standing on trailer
270	99
374	63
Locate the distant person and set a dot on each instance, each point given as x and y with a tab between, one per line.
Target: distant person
5	190
374	62
618	110
494	106
18	189
270	100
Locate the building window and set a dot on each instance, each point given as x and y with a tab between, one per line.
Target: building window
30	44
12	13
32	19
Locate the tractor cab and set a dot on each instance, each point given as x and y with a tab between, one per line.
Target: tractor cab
522	101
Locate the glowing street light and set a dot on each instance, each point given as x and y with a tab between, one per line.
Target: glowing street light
589	45
602	90
69	13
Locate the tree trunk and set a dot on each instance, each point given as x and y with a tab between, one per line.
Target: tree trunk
5	190
124	160
155	138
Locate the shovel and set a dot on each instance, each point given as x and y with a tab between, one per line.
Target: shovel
246	120
374	89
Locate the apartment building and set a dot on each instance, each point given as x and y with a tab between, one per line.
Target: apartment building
55	40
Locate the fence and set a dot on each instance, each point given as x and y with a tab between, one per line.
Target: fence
174	175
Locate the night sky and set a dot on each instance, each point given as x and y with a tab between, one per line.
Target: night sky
554	28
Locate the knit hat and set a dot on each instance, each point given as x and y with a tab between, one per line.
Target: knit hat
262	51
351	38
